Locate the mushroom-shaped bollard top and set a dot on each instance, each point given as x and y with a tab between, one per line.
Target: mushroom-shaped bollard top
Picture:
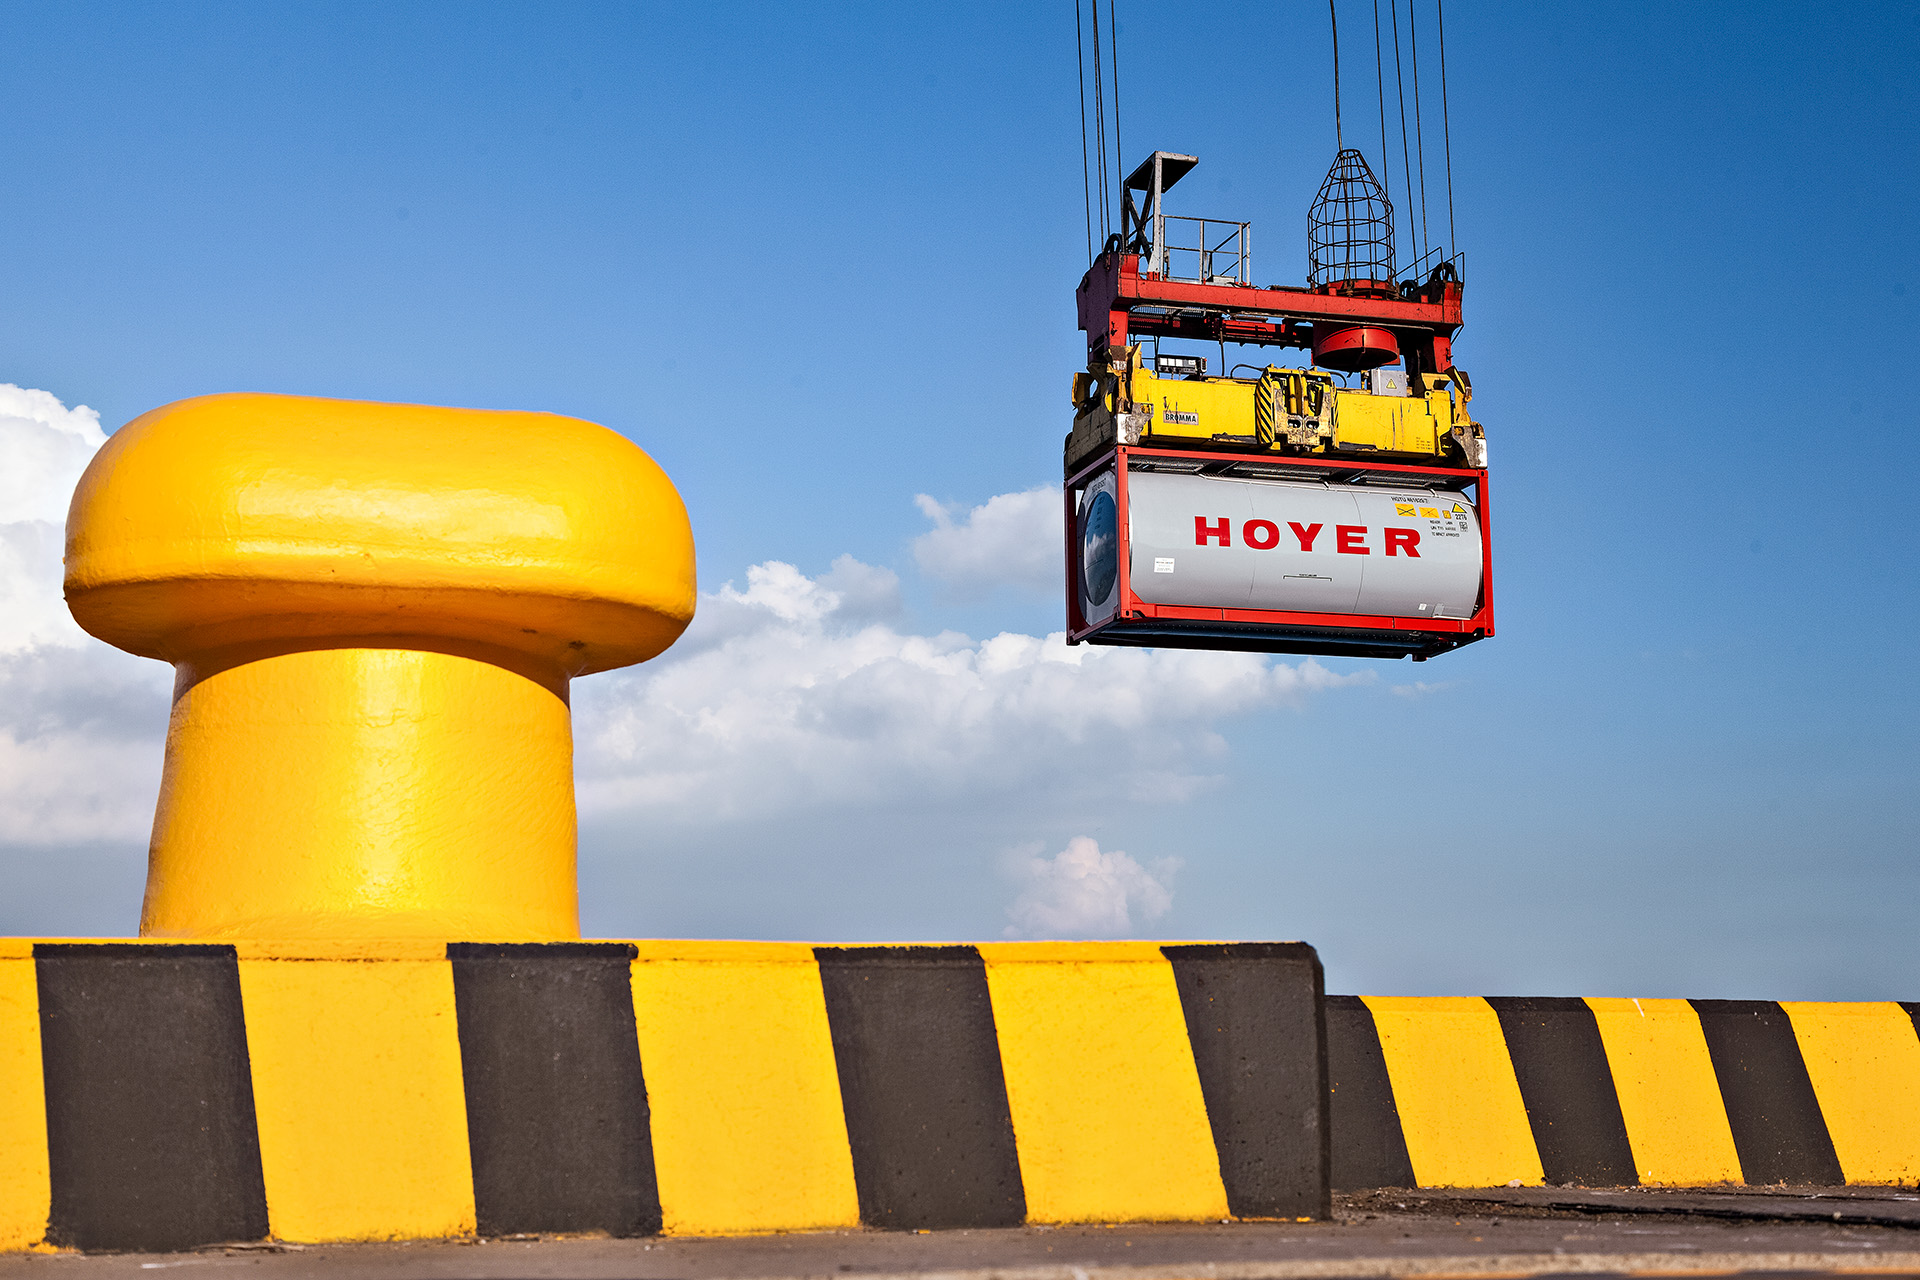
374	611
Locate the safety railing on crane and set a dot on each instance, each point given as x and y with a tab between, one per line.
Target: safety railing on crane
1424	265
1203	250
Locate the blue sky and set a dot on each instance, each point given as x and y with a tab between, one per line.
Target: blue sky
820	261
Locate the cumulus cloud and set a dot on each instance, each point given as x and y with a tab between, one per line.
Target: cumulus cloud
1081	892
1423	688
80	722
791	694
45	447
1011	539
81	733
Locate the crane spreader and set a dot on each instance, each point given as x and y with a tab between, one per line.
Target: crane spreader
1338	508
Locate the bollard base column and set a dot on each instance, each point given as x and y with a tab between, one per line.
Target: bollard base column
365	793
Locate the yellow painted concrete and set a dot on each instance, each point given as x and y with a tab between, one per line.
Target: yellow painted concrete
381	792
336	948
25	1192
374	610
1453	1082
748	1131
1864	1060
230	519
360	1102
1669	1096
1106	1104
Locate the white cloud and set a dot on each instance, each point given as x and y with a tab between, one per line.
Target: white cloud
786	697
1012	539
45	446
81	735
1081	892
81	723
1423	688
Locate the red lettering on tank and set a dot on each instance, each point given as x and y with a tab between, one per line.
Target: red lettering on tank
1407	540
1221	529
1306	535
1347	539
1261	535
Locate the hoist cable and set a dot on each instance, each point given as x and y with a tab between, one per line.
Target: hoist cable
1113	45
1400	97
1446	124
1086	179
1100	126
1099	132
1333	19
1380	84
1419	132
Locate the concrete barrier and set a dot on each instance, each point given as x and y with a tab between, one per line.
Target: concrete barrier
1484	1092
165	1095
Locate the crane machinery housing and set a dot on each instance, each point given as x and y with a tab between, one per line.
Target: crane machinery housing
1337	508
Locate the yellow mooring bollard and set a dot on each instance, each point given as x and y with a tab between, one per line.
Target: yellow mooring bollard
374	611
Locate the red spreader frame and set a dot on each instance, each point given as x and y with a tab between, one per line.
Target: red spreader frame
1356	635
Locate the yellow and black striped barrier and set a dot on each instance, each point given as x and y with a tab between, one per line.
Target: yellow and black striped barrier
165	1095
1483	1092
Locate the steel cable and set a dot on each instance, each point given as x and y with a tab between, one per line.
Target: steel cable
1400	96
1113	45
1100	127
1419	132
1086	179
1333	20
1446	124
1380	84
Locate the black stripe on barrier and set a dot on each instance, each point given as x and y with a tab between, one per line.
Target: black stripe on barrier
1253	1017
920	1080
1777	1126
1369	1149
1561	1065
151	1142
557	1121
1913	1013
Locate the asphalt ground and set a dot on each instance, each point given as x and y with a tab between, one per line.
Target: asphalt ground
1520	1232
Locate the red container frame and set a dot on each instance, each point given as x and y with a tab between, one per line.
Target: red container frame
1137	622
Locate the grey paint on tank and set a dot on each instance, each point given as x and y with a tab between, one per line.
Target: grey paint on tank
1433	571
